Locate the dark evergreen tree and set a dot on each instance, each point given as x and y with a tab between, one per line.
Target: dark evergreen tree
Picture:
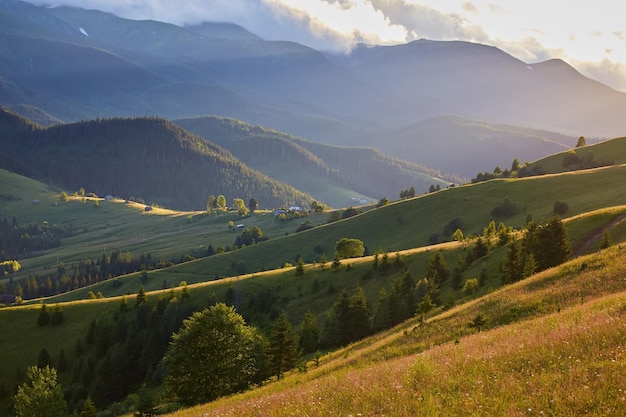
282	349
44	359
89	409
383	318
309	334
437	269
44	317
513	267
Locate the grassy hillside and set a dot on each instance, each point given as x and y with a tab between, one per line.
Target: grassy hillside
403	228
565	299
409	224
552	345
116	224
398	226
611	152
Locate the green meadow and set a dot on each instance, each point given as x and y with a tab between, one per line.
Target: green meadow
552	344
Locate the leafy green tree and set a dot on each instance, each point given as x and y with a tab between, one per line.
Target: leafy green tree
213	354
309	334
581	142
220	202
64	197
282	349
210	203
470	286
349	248
41	395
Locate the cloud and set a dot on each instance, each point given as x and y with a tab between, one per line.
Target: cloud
606	71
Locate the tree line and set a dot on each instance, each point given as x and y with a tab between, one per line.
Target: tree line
18	241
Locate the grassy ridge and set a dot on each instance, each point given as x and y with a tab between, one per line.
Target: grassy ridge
562	354
612	152
398	226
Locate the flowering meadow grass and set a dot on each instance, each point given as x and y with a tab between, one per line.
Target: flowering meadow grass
554	345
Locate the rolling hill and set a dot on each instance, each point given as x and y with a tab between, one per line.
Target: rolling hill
267	286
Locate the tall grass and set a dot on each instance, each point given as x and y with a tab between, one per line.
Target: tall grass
555	345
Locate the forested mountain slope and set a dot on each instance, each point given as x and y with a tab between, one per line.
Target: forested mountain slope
148	158
317	168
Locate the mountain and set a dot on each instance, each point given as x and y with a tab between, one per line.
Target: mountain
445	142
338	175
149	158
475	81
68	64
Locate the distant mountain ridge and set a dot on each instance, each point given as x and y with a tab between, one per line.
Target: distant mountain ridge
162	163
68	64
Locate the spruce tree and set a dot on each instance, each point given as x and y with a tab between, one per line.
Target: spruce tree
309	333
282	351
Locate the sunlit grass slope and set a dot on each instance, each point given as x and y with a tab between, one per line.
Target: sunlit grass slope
553	345
610	152
401	225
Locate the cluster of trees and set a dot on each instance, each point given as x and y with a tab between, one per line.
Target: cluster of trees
505	209
407	193
250	236
84	273
25	240
544	245
516	170
339	215
572	160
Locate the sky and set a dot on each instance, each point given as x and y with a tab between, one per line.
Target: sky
588	34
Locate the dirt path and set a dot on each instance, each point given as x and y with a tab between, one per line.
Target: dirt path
595	235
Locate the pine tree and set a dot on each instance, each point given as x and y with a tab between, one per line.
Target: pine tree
89	409
513	268
282	351
44	317
309	333
141	296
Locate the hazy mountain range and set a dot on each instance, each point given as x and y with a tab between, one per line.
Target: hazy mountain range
61	64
